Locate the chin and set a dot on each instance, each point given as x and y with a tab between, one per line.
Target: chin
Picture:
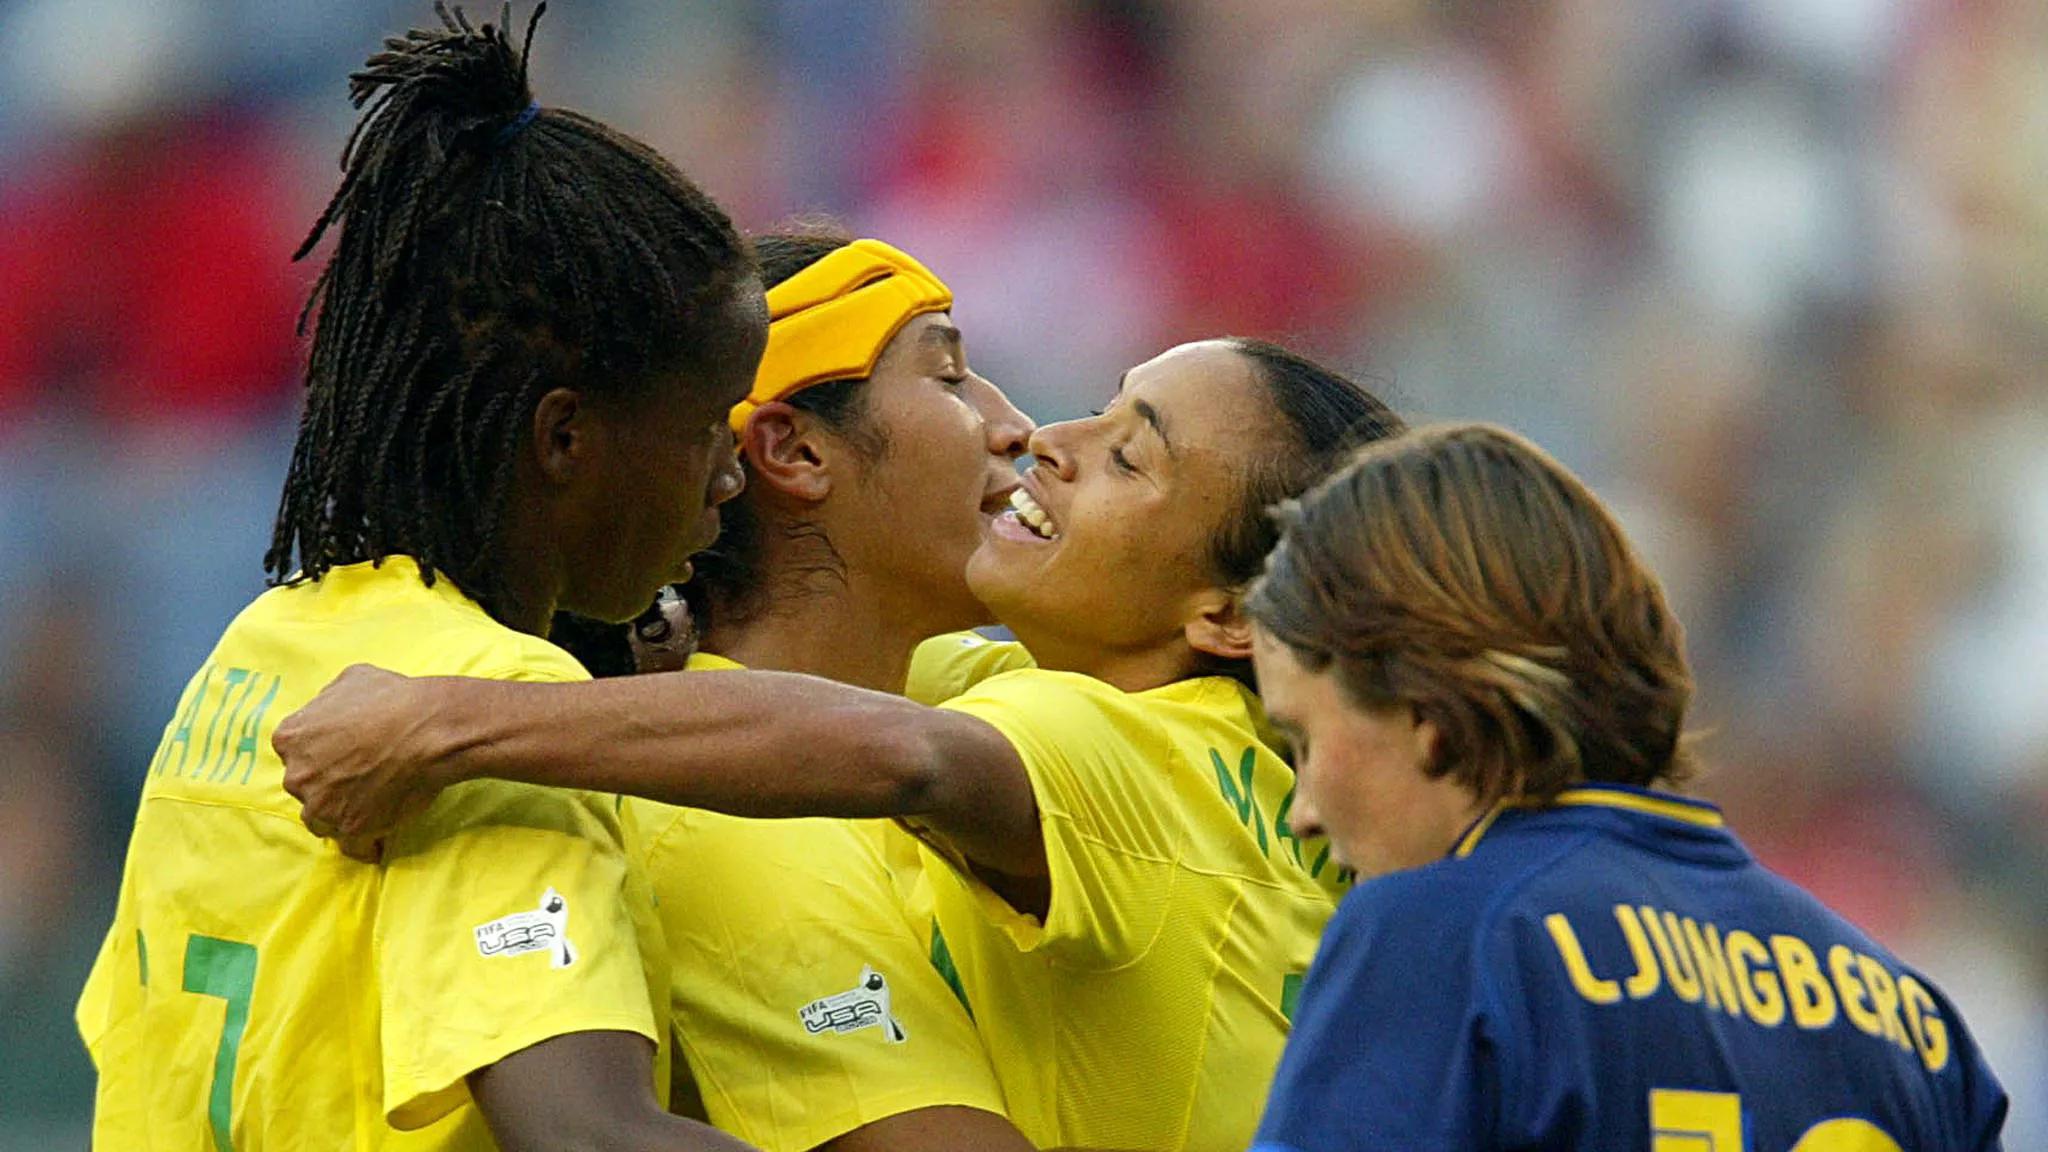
994	586
618	607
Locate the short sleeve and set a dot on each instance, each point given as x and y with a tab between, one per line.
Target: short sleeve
1391	1046
805	999
945	666
1101	772
502	921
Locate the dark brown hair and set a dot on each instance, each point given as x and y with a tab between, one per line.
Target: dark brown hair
1460	571
1319	416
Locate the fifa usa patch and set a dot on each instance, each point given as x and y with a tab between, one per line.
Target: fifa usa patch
865	1005
545	929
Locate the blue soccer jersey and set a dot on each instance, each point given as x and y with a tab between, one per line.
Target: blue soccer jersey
1617	972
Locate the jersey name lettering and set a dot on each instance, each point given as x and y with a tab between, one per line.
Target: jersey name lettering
1764	980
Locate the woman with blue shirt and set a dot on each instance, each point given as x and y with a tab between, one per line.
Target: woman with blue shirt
1548	949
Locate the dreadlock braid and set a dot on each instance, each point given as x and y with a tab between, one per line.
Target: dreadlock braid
489	251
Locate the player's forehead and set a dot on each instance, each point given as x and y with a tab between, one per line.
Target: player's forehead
923	342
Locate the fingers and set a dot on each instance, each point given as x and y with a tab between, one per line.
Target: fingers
368	850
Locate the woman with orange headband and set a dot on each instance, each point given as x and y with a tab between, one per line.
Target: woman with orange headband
806	1003
1108	856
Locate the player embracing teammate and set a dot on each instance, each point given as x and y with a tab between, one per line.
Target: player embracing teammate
1085	916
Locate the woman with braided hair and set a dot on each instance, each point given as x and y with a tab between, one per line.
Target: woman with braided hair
525	346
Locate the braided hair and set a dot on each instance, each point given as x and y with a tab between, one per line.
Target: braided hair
490	251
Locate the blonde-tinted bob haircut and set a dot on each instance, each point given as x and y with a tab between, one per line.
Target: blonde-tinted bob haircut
1460	571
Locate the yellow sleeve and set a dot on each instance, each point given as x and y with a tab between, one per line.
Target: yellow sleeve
503	920
805	999
1114	835
945	666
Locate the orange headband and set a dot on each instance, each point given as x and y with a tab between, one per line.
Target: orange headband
832	320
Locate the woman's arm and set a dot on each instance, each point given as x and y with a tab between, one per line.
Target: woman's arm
375	745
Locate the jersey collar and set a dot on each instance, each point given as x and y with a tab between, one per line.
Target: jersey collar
1662	806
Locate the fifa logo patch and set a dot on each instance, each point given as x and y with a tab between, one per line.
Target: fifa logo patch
523	932
865	1005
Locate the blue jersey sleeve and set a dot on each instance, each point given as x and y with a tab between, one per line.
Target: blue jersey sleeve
1396	1043
1983	1100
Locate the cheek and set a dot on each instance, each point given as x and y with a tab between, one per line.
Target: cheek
1363	790
1114	528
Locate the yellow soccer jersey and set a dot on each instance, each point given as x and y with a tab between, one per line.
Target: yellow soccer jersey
804	994
1149	1009
946	666
258	990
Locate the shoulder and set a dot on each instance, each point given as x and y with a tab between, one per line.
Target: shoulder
451	643
1438	905
1031	690
945	666
1039	711
517	656
389	617
1469	907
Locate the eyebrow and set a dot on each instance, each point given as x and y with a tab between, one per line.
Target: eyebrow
1151	416
940	334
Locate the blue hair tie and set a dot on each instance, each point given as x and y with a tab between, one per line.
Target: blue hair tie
517	125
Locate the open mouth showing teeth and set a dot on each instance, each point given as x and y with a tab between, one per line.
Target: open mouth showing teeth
1031	515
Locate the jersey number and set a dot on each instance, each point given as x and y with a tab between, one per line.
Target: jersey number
1683	1121
226	969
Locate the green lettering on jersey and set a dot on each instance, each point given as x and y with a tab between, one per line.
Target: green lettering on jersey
942	959
142	957
181	734
1244	798
1282	833
210	756
245	747
227	969
1290	993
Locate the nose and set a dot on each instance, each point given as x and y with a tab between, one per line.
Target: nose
1301	816
728	479
1050	446
1009	430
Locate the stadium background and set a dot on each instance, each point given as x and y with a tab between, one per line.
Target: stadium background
1773	274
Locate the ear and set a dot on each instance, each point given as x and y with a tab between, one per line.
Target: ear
1219	627
1428	744
788	453
563	434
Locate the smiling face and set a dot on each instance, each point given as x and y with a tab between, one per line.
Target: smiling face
946	467
1360	772
1105	558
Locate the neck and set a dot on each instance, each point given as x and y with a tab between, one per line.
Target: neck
1139	669
834	629
531	587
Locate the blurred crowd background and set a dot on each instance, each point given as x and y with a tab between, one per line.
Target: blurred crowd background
1772	274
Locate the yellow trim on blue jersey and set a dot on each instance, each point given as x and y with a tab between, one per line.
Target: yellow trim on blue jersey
1470	839
1695	812
1670	807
